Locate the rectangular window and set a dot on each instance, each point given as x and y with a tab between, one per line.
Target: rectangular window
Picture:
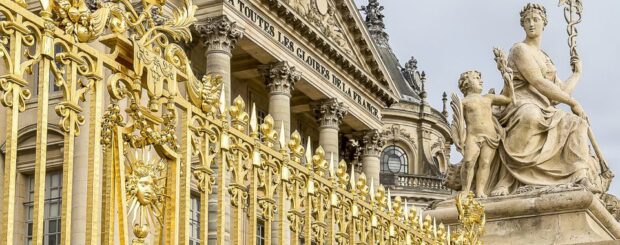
260	233
52	210
261	119
194	220
52	86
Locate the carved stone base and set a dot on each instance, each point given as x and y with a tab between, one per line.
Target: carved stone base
567	217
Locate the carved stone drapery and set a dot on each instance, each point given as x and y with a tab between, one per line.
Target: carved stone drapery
280	77
220	34
329	112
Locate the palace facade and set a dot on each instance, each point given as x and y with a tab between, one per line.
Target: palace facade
315	67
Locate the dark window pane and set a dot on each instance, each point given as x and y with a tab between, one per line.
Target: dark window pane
394	160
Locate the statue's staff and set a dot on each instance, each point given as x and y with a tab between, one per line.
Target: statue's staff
572	14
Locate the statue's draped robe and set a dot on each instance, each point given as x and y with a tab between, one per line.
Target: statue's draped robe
543	145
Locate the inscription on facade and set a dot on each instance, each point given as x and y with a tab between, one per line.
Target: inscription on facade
300	52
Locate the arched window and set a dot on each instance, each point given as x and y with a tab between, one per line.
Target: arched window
394	160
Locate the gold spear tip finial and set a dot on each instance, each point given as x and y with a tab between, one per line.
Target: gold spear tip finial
222	103
282	139
308	151
254	120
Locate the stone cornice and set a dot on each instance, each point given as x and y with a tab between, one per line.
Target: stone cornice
329	112
219	34
280	77
382	90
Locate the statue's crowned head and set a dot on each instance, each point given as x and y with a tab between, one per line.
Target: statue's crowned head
532	8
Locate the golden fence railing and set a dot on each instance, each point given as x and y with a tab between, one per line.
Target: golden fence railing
154	129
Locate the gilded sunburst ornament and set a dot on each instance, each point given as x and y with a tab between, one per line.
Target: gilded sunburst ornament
145	186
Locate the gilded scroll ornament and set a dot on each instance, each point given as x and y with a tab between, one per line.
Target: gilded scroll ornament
9	88
472	218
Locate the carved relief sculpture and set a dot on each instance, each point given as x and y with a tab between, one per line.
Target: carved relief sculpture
145	185
322	14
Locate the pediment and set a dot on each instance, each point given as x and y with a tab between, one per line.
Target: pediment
337	29
323	15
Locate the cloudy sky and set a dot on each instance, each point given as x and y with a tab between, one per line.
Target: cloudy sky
448	37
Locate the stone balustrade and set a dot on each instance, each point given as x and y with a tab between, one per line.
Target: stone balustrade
417	182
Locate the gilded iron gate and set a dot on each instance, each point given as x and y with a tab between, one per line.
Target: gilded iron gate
154	128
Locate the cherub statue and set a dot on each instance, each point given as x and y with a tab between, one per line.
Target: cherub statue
478	133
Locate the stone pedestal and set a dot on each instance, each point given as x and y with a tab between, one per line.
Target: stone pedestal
568	217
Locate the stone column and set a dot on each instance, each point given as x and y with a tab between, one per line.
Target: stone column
280	79
329	114
80	181
219	36
372	144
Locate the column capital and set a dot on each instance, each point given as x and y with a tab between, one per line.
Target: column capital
219	34
329	112
280	77
372	143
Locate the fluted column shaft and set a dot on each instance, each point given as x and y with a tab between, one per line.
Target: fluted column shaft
329	114
280	79
219	36
372	144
